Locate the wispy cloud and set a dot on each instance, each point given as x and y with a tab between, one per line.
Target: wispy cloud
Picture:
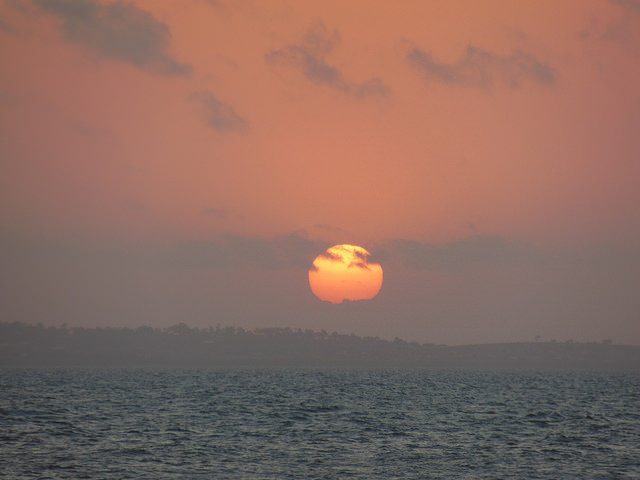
309	57
331	256
360	265
5	27
219	115
481	68
118	31
626	30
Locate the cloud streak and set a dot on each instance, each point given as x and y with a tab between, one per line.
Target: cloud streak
117	31
309	57
481	68
5	27
331	256
219	115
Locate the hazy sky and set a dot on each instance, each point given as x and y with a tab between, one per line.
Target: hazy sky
185	161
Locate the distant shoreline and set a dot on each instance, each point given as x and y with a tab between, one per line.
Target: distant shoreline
180	346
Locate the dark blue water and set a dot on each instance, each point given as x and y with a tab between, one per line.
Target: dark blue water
272	424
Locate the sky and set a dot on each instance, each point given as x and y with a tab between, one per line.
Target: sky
165	162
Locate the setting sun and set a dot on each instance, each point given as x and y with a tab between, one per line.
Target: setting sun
343	273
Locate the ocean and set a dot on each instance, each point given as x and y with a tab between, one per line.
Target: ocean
318	424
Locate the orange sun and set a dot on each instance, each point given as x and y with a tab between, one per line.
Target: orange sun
343	273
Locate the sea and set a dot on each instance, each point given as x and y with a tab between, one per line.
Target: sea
318	424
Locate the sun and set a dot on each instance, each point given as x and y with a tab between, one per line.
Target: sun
342	272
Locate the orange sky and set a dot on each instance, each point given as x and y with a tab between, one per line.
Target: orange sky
471	145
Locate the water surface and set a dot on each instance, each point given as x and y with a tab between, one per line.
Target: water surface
274	424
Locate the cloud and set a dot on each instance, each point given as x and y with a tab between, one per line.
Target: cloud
481	68
220	115
331	256
213	3
371	87
475	250
292	251
117	31
633	5
361	256
5	27
309	58
237	251
360	265
626	30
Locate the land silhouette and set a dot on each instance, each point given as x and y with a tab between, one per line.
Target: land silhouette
27	345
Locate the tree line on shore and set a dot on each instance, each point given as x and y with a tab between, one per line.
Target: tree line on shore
27	345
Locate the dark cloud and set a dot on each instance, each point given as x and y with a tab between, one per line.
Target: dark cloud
21	6
361	256
309	58
361	265
220	115
331	256
378	256
119	31
297	249
320	40
5	27
481	68
475	250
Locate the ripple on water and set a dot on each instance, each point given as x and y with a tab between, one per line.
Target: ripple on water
318	424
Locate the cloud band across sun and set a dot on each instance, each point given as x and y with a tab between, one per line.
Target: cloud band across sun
343	273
